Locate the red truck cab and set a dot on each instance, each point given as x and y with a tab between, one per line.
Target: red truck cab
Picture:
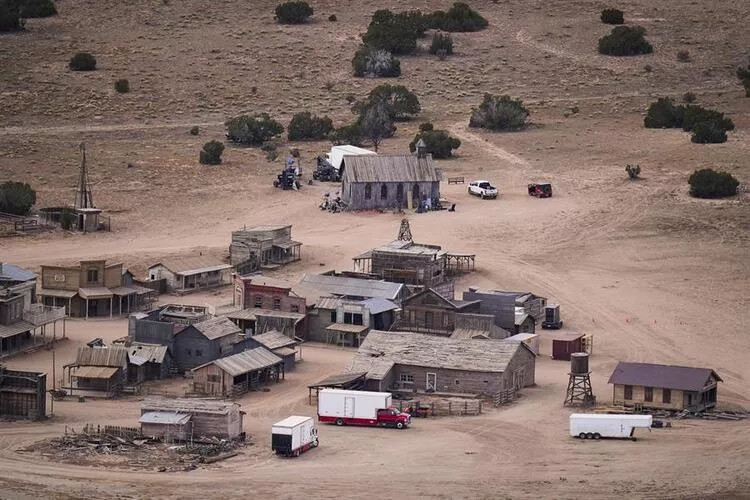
391	417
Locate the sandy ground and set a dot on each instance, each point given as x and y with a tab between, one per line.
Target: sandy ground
653	274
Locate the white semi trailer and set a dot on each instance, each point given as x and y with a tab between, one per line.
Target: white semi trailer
594	426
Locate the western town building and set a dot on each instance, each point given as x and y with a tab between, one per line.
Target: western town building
238	373
188	274
263	247
665	387
372	182
98	371
24	323
208	418
274	301
161	325
346	287
413	361
91	288
516	312
429	312
23	394
286	348
345	322
204	342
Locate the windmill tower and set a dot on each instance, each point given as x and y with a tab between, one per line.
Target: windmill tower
83	189
404	232
579	383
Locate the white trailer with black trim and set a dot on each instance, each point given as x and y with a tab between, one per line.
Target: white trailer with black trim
595	426
294	435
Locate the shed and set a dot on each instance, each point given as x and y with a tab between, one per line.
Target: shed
353	381
23	394
530	339
565	344
209	417
203	342
98	371
239	373
168	426
147	362
389	181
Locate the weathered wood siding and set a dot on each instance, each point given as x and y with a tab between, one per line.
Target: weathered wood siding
212	380
677	400
167	432
61	278
113	276
192	348
354	194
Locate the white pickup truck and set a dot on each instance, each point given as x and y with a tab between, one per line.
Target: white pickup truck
483	189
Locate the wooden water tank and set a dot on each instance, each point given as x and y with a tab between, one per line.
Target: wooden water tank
579	363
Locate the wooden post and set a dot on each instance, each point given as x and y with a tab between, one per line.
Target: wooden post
87	308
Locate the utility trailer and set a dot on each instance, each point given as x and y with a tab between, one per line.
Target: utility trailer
342	407
552	317
595	426
294	435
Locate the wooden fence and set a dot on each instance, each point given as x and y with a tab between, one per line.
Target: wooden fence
443	407
504	397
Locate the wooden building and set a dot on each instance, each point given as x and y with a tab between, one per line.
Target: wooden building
339	321
263	247
284	347
23	394
429	312
566	343
98	371
255	321
262	293
346	287
168	426
18	281
238	373
209	417
517	312
664	387
188	274
27	326
406	262
429	363
148	362
91	288
203	342
372	182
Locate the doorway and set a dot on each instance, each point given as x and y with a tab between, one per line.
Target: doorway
431	382
348	407
415	196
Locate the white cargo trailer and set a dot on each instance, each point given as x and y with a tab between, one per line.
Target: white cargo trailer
342	407
294	435
594	426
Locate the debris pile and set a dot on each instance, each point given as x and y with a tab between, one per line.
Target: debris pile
98	446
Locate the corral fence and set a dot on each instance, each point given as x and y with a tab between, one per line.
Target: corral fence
442	407
106	430
504	397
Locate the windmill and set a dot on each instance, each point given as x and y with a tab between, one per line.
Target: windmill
83	189
404	232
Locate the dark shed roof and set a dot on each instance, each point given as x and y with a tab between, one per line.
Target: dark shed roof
395	168
683	378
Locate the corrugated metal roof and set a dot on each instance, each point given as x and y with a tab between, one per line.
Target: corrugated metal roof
681	378
166	417
389	168
104	372
357	287
414	349
339	379
94	292
274	339
139	354
15	328
246	361
14	273
102	356
192	265
377	305
216	328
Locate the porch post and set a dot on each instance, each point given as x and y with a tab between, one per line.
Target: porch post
110	305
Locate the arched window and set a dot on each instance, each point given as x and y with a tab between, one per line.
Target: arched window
384	192
400	192
368	191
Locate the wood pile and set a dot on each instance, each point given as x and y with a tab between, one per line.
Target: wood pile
442	407
96	445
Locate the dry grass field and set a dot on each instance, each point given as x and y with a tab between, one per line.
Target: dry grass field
654	274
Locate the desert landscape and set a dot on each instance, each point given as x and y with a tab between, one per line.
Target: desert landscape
652	273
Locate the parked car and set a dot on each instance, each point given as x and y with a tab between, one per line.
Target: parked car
540	190
483	189
341	407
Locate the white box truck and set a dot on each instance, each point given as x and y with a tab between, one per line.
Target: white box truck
595	426
294	435
343	407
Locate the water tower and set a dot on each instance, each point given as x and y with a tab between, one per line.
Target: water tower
579	383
